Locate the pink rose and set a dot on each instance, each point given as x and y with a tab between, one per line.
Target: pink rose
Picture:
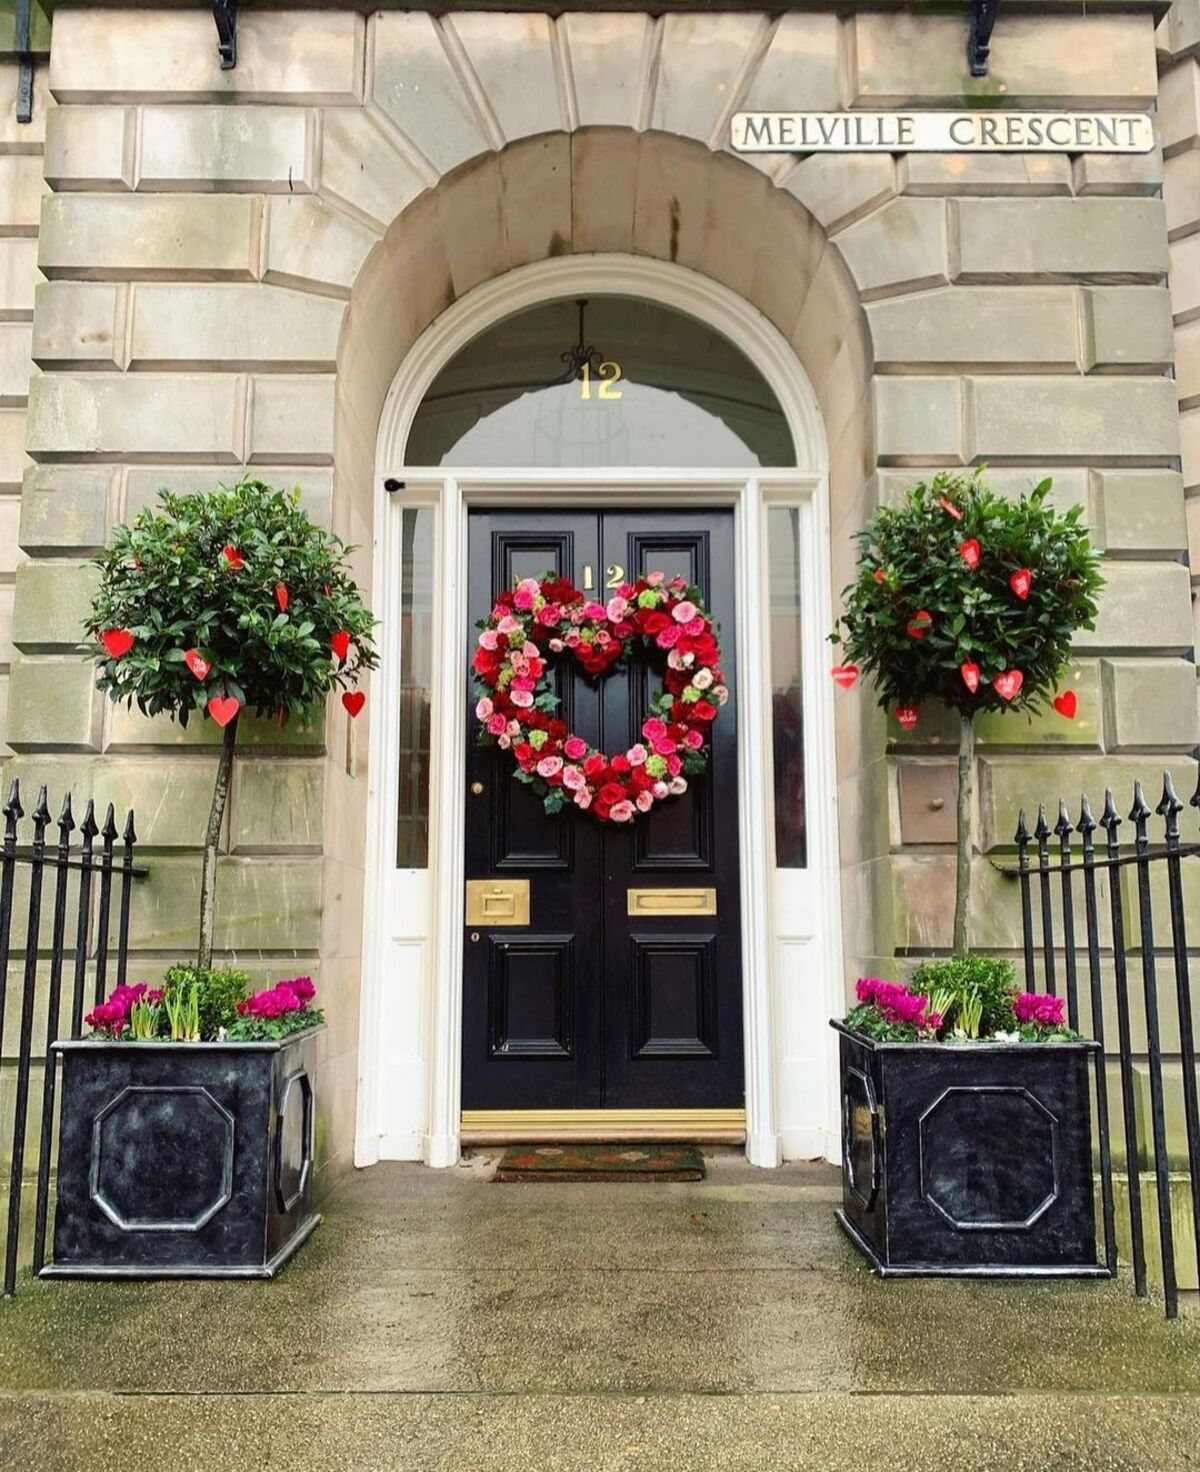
497	725
720	694
684	613
548	615
483	709
593	611
573	778
695	626
677	786
527	591
550	766
557	645
655	578
603	639
669	637
636	755
520	665
674	765
625	590
575	747
489	639
653	728
504	742
573	639
522	682
644	801
617	609
664	746
679	661
678	583
583	797
661	790
702	679
510	625
693	741
621	812
514	728
522	699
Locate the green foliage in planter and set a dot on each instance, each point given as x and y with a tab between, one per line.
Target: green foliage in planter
218	991
967	597
974	992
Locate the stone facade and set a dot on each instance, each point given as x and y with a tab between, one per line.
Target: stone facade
234	263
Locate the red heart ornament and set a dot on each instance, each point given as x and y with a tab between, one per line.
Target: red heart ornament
880	575
969	552
1067	704
1020	582
223	708
949	508
907	715
845	674
281	596
353	700
340	643
197	663
970	675
919	623
1008	684
234	560
117	642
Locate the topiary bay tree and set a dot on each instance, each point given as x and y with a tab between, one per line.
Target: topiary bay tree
224	602
969	598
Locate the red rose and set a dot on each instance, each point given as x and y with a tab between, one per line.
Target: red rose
620	765
594	765
485	661
610	793
655	621
557	729
704	710
523	751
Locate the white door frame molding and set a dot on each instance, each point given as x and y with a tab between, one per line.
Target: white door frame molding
409	1087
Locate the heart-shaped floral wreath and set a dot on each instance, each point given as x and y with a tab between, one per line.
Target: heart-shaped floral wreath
549	615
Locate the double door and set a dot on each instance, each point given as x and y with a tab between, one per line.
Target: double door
621	988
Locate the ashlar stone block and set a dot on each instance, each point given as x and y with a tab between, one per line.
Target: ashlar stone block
900	247
412	79
1179	106
1185	279
311	246
10	510
53	599
1039	417
919	419
52	704
938	725
1140	512
90	147
13	459
18	137
609	59
1145	608
80	324
984	174
170	56
512	56
1187	364
137	416
701	59
840	188
1126	325
1150	703
234	327
1181	193
18	278
803	60
150	237
266	904
1035	328
1009	783
1118	173
263	149
291	420
277	806
15	363
1061	60
363	171
66	508
21	192
1059	239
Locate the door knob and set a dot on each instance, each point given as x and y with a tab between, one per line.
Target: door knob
476	788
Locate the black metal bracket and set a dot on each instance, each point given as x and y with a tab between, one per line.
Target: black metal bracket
225	13
23	46
979	42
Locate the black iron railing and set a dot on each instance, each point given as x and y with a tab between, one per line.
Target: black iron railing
1038	866
87	943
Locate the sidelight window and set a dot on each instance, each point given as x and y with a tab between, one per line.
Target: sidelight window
416	677
787	690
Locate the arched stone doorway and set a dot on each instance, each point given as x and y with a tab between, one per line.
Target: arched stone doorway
599	195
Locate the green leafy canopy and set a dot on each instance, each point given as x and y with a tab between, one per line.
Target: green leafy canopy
165	579
909	561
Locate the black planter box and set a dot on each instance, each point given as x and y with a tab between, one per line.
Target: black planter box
969	1159
183	1159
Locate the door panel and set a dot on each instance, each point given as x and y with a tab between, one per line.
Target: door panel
590	1006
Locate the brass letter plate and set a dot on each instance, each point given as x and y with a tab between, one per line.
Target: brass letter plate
497	901
672	901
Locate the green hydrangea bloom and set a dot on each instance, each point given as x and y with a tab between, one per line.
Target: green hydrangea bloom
656	766
537	739
648	599
690	694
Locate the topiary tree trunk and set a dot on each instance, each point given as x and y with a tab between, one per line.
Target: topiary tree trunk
212	839
965	837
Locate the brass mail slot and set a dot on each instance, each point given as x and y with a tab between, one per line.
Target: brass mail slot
497	901
672	901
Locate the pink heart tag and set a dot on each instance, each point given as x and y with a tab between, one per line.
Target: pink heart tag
1008	684
844	675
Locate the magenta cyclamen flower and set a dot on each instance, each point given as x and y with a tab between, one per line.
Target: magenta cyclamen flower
275	1001
1042	1011
114	1012
897	1003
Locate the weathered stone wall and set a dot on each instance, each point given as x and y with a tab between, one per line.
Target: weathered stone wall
203	232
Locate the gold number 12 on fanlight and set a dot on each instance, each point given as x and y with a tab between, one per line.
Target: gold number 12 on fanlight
609	375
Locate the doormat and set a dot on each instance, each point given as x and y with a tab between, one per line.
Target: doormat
600	1163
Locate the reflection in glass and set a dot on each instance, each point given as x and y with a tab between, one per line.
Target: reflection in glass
787	705
416	672
657	388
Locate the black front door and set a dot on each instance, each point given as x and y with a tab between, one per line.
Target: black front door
603	1000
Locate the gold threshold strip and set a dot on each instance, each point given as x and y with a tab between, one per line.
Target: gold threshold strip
504	1126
